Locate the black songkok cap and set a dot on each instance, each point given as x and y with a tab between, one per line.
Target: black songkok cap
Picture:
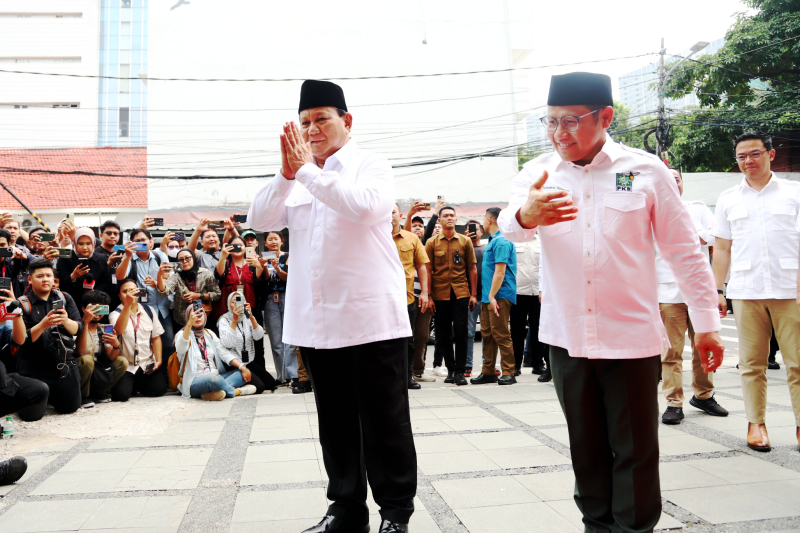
316	93
580	88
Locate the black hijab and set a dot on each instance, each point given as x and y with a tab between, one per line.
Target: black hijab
191	274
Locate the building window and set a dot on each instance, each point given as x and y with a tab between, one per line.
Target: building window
20	107
125	3
124	121
124	78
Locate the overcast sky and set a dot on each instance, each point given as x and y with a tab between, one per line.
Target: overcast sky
578	30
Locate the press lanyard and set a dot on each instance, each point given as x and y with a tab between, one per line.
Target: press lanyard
245	355
201	343
135	337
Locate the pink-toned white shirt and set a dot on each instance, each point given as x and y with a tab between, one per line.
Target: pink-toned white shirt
346	286
600	298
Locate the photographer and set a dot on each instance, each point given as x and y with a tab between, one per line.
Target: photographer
234	273
171	243
87	269
51	320
238	331
144	268
192	283
15	267
201	356
110	234
140	331
40	248
99	362
209	240
283	355
10	224
433	228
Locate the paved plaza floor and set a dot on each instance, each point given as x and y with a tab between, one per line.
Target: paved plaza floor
490	459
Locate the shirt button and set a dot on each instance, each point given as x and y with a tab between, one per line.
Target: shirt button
315	273
590	309
588	225
318	223
588	253
314	247
316	300
588	196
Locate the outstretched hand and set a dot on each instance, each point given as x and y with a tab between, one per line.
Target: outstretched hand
545	208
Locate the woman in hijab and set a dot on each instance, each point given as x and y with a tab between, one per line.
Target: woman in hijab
238	330
202	357
193	282
85	271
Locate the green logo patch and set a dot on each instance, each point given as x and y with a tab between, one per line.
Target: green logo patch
625	180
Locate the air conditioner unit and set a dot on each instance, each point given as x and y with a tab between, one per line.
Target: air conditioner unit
28	223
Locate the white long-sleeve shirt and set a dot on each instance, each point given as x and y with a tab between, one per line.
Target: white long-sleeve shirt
600	288
528	267
763	228
703	220
347	286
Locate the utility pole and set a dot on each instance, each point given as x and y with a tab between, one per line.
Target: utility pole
662	79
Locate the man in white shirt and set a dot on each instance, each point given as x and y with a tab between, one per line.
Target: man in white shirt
675	315
527	310
758	237
349	318
599	207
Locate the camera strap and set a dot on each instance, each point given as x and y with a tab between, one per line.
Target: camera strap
136	337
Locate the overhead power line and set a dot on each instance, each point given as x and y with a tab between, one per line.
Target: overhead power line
492	71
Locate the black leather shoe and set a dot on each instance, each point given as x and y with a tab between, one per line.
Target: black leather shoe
333	524
413	384
298	387
709	406
517	373
538	369
393	527
480	379
773	365
672	416
12	469
527	363
506	380
545	377
459	379
449	378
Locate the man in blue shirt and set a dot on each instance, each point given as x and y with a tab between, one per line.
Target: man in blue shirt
499	293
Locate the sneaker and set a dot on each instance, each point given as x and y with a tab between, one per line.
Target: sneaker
672	416
468	372
709	406
103	399
11	470
86	403
248	389
424	377
773	365
216	396
440	371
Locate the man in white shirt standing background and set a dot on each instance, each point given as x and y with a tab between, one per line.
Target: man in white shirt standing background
349	318
675	315
600	207
758	237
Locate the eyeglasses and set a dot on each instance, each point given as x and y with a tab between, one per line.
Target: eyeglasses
569	123
754	155
184	259
176	247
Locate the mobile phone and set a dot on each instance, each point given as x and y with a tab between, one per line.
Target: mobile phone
47	237
197	305
58	305
101	310
179	236
239	218
472	228
118	248
215	224
64	253
236	248
158	221
269	255
440	197
250	252
427	205
176	267
108	329
6	252
149	368
5	283
84	261
140	247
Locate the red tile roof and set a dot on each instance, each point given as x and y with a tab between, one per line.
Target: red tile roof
74	192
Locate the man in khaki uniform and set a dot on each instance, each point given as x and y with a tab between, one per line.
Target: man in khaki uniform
453	260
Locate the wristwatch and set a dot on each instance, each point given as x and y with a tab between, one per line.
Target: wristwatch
719	291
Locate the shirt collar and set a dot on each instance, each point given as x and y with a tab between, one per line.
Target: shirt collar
496	234
745	185
343	154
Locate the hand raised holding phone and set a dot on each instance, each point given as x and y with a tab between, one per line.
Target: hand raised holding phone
81	270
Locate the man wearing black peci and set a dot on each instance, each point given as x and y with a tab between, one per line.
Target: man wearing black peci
330	191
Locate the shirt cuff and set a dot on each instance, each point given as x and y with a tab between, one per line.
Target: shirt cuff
722	234
307	173
518	228
704	320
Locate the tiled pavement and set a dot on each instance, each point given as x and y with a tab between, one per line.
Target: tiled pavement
490	459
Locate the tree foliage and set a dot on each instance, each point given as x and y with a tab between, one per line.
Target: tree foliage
752	82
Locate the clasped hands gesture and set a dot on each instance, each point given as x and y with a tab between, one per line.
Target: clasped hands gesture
295	151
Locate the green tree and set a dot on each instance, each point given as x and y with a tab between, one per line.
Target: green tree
752	82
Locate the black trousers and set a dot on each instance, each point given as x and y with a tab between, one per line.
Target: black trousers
611	406
451	315
412	317
29	400
526	313
152	385
64	393
361	394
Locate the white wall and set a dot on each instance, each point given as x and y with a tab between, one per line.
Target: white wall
48	38
315	39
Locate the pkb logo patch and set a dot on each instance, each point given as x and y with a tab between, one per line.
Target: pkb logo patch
625	180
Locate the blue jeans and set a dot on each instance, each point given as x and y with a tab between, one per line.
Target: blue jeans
472	320
228	382
284	355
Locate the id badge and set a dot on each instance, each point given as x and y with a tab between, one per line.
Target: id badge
113	279
240	288
276	297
